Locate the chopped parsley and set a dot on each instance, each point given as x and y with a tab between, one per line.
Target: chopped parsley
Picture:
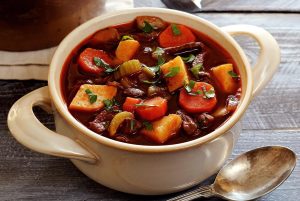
176	31
101	63
189	58
126	37
196	69
189	86
173	71
158	51
155	69
208	94
160	60
108	104
233	74
147	125
92	96
147	27
132	123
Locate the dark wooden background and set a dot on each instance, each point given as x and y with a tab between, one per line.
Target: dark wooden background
273	117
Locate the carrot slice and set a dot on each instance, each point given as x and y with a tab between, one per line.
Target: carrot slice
82	101
130	104
202	98
152	109
181	35
86	60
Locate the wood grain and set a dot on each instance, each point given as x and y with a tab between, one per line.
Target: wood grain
275	6
273	118
27	175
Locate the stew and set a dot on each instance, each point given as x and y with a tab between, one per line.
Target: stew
150	82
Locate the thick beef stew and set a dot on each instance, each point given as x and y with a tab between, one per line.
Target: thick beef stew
151	82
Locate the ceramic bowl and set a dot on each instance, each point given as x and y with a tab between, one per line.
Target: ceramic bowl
138	169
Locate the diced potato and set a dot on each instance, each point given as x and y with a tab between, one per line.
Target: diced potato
126	49
163	129
180	78
82	102
224	79
117	120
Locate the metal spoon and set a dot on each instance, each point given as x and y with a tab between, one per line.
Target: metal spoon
250	176
191	6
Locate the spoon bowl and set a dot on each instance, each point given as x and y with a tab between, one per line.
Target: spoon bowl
255	173
249	176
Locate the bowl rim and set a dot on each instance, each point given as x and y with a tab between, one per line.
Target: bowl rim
63	111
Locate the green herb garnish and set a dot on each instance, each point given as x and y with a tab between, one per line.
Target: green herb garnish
92	96
208	94
189	86
173	71
158	52
196	69
132	123
160	60
101	63
126	37
108	104
233	74
147	27
189	58
147	125
155	69
176	31
198	92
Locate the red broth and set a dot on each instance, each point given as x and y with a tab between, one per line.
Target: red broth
193	124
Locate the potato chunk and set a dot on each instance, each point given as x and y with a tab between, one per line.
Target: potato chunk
178	80
224	79
81	101
163	129
126	49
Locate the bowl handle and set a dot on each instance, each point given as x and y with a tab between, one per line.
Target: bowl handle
269	57
30	132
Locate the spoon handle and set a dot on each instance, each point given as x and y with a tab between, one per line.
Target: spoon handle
202	191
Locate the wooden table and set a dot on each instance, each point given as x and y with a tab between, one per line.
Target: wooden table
273	117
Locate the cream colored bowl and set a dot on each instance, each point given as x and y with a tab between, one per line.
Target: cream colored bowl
147	170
